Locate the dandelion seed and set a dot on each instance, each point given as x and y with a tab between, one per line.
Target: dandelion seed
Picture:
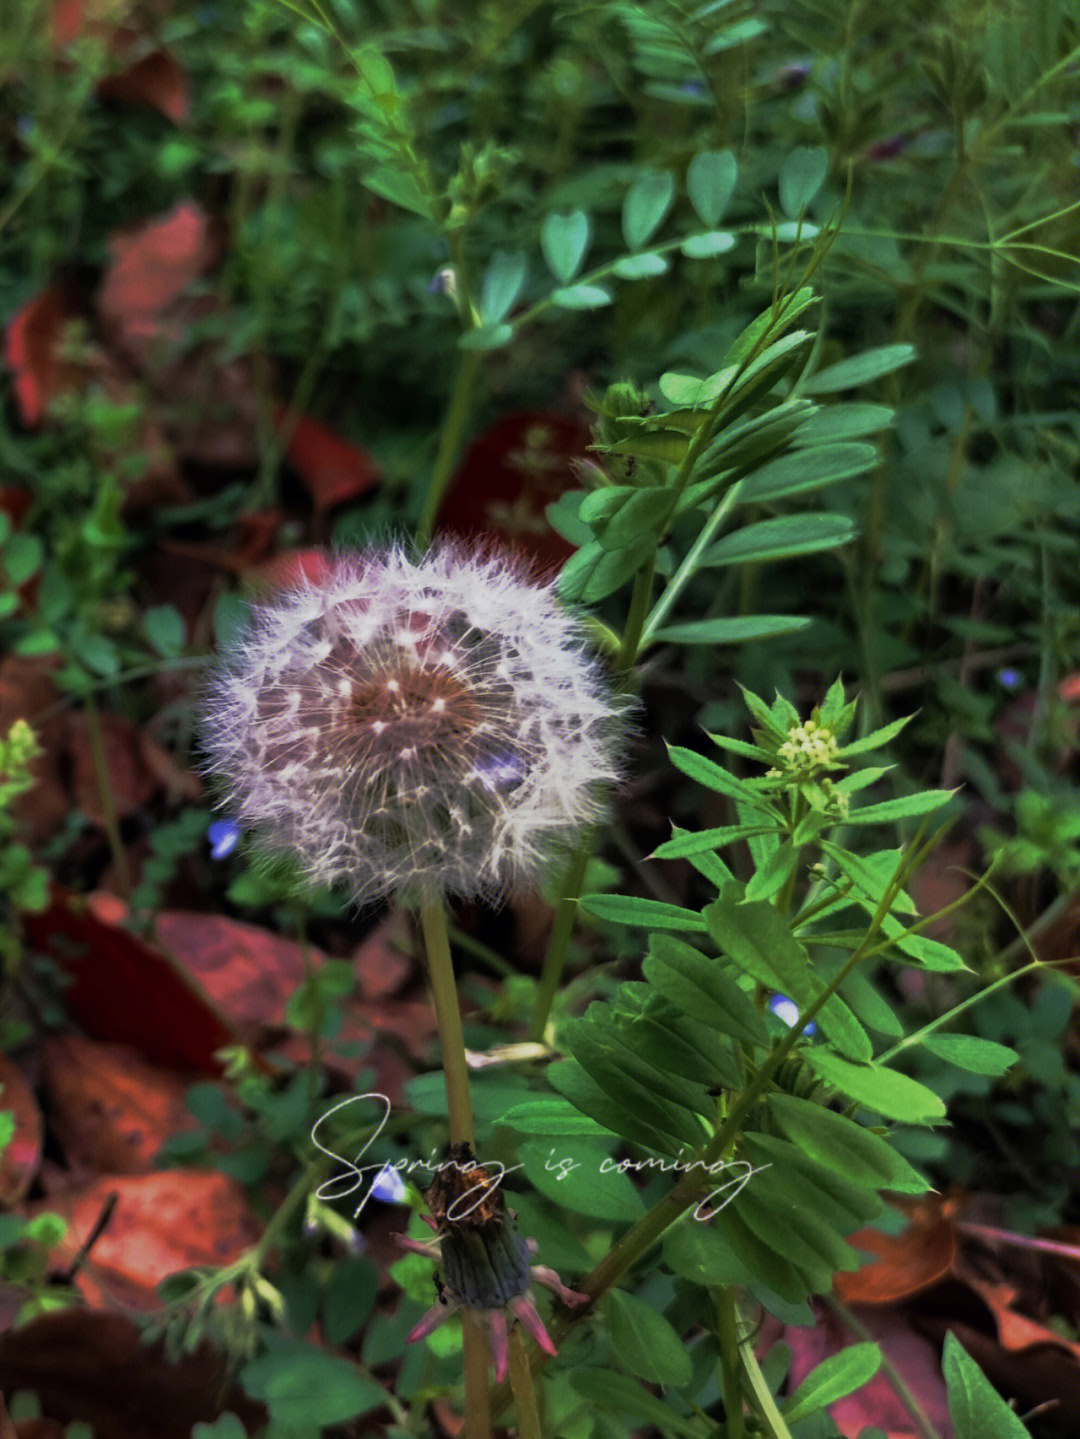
417	728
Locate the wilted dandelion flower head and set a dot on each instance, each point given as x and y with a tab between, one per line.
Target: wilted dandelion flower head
414	727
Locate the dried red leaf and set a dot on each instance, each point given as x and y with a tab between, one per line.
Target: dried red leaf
249	973
32	354
158	80
94	1368
21	1159
384	961
288	568
109	1108
333	469
907	1263
127	990
509	476
152	267
163	1222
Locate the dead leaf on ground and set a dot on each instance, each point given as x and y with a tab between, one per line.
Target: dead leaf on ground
21	1159
166	1221
109	1108
126	990
78	1363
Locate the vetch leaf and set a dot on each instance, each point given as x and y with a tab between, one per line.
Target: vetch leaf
844	1145
486	337
622	515
564	240
571	1081
163	626
647	913
977	1056
708	245
833	423
614	1393
502	284
688	390
647	202
804	470
400	188
782	538
645	266
885	1091
836	1377
732	630
551	1116
710	180
581	297
801	176
701	989
859	369
645	1342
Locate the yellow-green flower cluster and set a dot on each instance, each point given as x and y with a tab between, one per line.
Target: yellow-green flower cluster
810	746
16	752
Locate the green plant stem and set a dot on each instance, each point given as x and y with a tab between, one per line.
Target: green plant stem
905	1395
457	418
521	1382
107	798
730	1366
448	1016
561	930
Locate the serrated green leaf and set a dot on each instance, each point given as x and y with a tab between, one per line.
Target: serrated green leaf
909	807
801	176
645	1342
699	986
646	913
647	202
710	182
834	1378
859	369
976	1408
884	1091
781	538
877	739
581	297
701	841
736	630
977	1056
706	772
564	240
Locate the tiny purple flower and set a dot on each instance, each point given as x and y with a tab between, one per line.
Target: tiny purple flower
389	1186
224	836
1010	679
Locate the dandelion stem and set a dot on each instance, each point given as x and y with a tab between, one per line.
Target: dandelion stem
521	1383
477	1408
448	1017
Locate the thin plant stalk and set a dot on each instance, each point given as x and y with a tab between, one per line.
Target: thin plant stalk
521	1382
106	796
448	1016
730	1364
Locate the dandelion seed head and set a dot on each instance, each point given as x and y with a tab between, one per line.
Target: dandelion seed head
415	727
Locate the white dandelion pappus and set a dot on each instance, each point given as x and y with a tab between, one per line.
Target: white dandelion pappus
416	728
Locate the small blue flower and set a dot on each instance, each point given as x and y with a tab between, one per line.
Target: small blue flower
1010	679
389	1186
224	836
787	1010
